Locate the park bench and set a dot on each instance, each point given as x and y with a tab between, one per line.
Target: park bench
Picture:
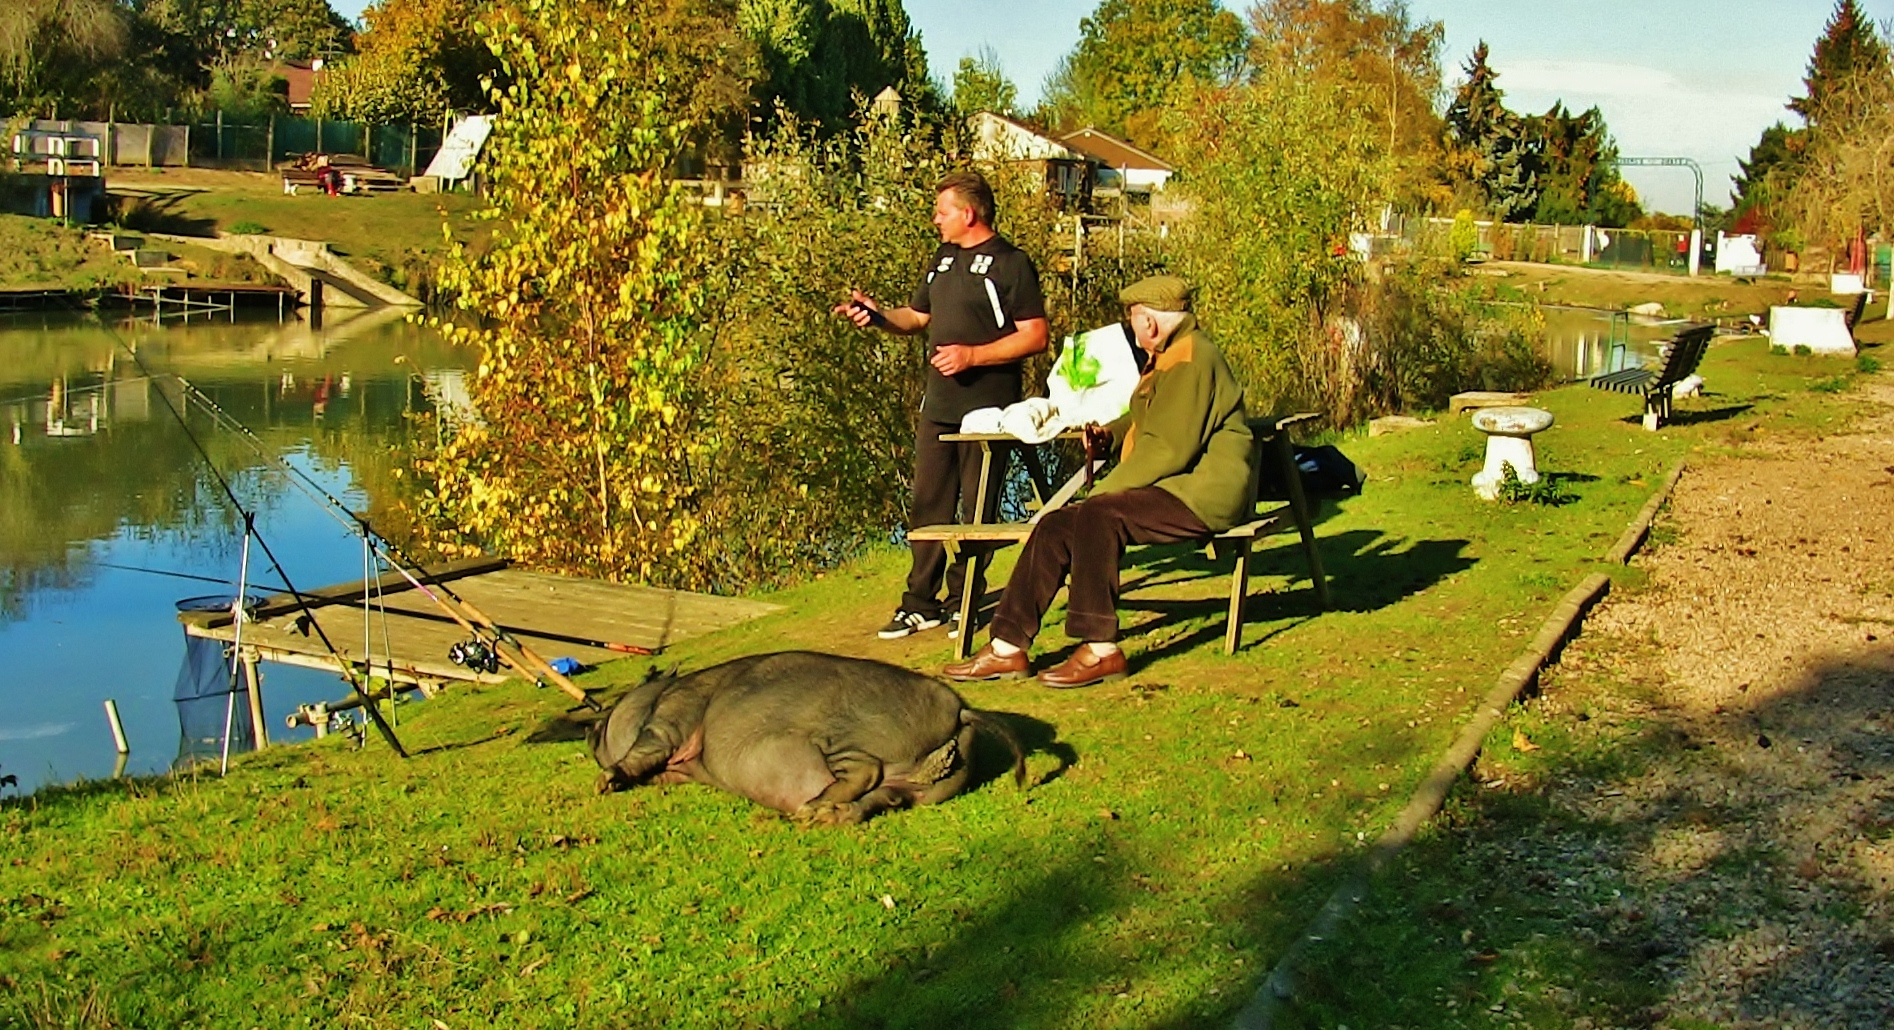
1270	441
358	176
1680	358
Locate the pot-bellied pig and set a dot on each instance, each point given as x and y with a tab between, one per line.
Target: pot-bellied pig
827	739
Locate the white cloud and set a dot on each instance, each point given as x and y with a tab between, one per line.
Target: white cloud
40	732
1653	112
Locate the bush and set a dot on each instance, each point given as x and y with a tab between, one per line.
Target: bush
816	418
1464	238
249	228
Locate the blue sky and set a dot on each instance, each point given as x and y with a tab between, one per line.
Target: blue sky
1675	78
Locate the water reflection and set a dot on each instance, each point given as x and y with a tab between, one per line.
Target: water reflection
1584	342
101	492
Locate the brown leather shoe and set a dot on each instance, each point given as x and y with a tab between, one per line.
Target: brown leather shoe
1085	668
985	665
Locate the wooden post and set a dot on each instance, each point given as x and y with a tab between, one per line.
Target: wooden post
414	142
118	728
220	135
269	147
253	677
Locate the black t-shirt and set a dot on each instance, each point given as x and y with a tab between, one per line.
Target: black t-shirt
975	295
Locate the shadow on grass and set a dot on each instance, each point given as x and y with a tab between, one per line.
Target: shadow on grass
1678	871
1367	569
1066	948
159	214
1703	417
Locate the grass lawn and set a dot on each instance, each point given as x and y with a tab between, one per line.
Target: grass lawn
1180	827
39	252
1705	296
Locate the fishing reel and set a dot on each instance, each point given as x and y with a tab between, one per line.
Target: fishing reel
475	655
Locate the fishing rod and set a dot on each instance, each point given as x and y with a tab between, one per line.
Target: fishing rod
347	668
186	575
528	662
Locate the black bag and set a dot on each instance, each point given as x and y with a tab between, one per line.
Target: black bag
1326	473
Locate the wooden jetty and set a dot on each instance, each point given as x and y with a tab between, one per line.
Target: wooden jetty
409	636
33	298
205	298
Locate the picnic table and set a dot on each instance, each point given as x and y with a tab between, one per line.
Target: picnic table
1271	442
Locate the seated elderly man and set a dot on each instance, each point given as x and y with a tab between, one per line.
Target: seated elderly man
1183	473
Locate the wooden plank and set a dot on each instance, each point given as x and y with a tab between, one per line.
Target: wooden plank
1011	532
526	602
345	593
418	645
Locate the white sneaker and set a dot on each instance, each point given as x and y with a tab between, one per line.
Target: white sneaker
907	623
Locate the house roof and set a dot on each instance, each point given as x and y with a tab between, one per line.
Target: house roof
1114	152
1027	143
301	77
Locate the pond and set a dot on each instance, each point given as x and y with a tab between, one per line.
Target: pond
109	515
1581	341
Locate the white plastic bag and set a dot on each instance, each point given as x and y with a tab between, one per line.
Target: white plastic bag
1094	377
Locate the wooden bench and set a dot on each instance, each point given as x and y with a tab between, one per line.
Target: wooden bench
351	171
1680	359
1270	441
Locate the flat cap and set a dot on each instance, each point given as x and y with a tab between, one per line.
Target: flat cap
1157	292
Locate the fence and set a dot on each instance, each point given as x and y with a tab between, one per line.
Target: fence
403	147
1649	250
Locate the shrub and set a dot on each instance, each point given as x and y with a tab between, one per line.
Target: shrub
816	418
1464	238
1544	490
249	228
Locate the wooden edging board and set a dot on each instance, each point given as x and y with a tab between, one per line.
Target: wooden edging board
1265	1006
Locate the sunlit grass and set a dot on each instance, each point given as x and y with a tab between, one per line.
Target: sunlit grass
1180	828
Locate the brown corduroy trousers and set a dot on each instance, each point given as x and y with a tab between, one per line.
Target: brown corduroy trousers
1085	541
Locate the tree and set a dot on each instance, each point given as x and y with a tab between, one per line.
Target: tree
591	301
1490	147
1578	180
1848	46
1770	169
1286	168
817	58
1840	186
980	84
52	53
413	59
1378	47
1135	58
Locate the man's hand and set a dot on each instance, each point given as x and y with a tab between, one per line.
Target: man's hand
860	309
1097	441
951	359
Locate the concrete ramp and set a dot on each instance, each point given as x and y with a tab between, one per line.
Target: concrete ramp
308	266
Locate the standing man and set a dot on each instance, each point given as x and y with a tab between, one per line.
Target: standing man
980	304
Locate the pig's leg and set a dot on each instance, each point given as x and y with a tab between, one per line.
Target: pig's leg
857	774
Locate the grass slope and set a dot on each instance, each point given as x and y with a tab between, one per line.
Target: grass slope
1181	827
393	236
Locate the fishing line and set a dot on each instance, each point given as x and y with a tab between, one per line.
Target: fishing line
185	575
399	560
347	668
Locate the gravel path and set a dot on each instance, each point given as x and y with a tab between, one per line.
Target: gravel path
1756	856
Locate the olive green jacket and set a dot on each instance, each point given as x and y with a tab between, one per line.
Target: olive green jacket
1187	432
